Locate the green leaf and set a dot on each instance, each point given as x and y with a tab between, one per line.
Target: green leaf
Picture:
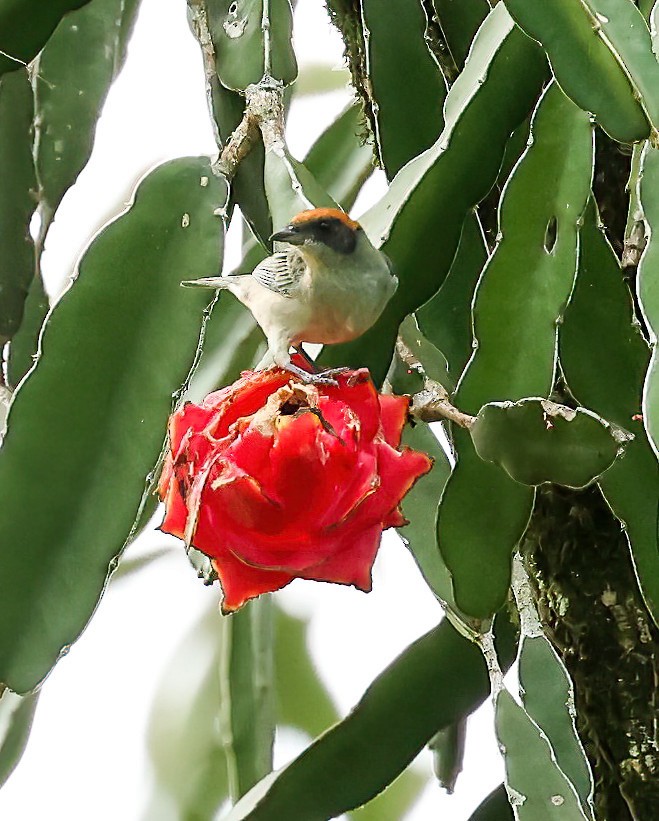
87	425
340	160
646	7
18	199
303	702
420	507
247	719
537	787
448	748
446	319
432	362
75	71
419	221
535	441
438	678
634	226
515	147
16	715
548	698
601	54
404	380
482	516
544	727
648	288
252	39
290	187
495	807
302	699
24	344
183	741
407	92
231	341
601	345
528	279
459	21
186	748
520	298
395	801
26	25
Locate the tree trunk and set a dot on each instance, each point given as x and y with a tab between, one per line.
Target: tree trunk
589	601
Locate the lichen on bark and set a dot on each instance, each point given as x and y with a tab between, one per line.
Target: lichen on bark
590	604
346	17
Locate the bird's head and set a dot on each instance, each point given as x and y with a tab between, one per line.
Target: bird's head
321	227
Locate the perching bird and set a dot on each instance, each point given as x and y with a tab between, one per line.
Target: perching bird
329	285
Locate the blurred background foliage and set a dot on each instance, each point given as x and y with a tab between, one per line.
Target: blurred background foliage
520	144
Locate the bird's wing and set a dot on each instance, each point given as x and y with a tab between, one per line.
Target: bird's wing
280	272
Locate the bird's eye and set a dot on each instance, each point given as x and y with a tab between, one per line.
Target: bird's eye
323	225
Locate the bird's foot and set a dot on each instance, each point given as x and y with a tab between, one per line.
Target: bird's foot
331	372
321	378
314	377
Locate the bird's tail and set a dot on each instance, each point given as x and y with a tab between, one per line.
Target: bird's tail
207	282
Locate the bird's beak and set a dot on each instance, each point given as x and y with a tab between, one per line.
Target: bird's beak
204	282
291	234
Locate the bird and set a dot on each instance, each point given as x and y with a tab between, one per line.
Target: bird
328	284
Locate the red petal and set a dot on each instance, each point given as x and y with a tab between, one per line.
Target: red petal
232	497
165	476
194	498
241	582
357	390
246	396
398	470
195	450
276	555
353	564
337	554
395	519
187	417
176	513
238	516
340	421
317	476
393	411
300	467
251	451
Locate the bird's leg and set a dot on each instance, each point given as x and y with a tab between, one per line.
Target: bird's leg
283	360
323	378
327	373
278	353
300	350
334	371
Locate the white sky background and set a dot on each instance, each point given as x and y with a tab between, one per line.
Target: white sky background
87	758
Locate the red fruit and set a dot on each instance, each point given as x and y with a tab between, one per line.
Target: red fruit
275	479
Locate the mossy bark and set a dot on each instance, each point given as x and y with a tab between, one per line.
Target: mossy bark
346	16
590	604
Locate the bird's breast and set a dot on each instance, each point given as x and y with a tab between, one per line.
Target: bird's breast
344	309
